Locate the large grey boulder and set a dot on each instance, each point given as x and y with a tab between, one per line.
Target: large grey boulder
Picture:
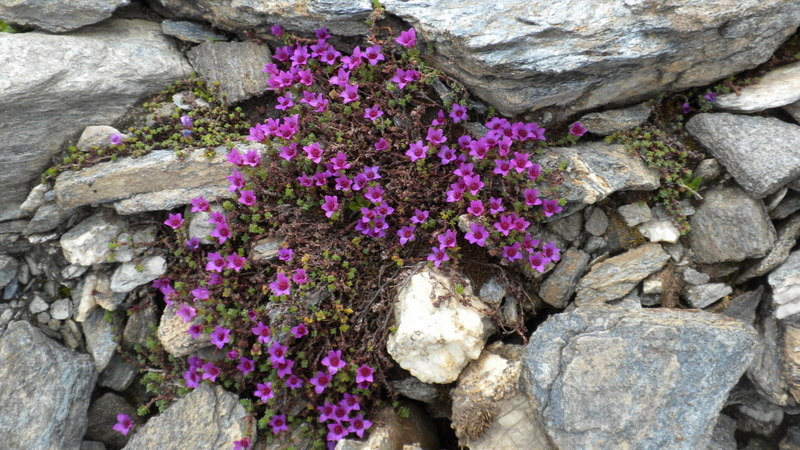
760	152
54	85
45	390
235	65
730	226
342	17
58	17
604	377
209	417
523	55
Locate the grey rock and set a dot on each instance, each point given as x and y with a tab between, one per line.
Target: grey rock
758	151
61	309
235	65
414	389
103	416
778	87
101	338
560	285
167	199
569	227
595	245
597	222
602	377
615	277
394	432
723	437
766	370
788	206
791	441
60	380
134	58
96	135
265	249
521	57
43	317
73	271
635	213
743	306
187	101
38	305
614	120
730	226
128	276
142	323
794	110
694	277
73	338
709	170
788	233
759	416
160	170
10	290
207	417
118	374
173	336
35	198
660	231
92	445
47	217
8	269
190	31
791	358
596	170
706	294
492	291
342	17
685	208
87	243
58	18
785	283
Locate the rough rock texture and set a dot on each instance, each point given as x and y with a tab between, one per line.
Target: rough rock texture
128	276
46	390
168	199
342	17
159	170
92	135
778	87
58	17
760	152
235	65
723	437
173	336
785	283
101	338
730	226
395	432
522	55
8	269
560	285
791	358
766	371
488	411
101	71
609	122
706	294
615	277
603	377
103	416
595	170
788	233
433	342
208	417
87	242
190	31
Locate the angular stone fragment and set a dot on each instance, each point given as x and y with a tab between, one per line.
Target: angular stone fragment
660	231
173	336
788	233
609	122
437	334
235	65
602	377
102	338
560	285
743	306
615	277
760	152
168	199
190	31
391	431
706	294
635	213
121	62
87	243
103	417
785	283
207	417
8	269
766	370
778	87
60	380
723	436
791	358
730	226
131	275
95	135
56	16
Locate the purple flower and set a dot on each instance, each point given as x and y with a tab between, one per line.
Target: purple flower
577	129
438	256
124	424
278	423
210	371
417	151
300	56
339	162
551	207
300	277
473	184
711	96
314	152
373	113
195	330
458	113
187	122
371	172
277	30
686	108
326	411
174	221
551	252
373	55
285	254
538	261
322	34
512	252
446	154
245	365
407	38
350	94
236	262
281	285
221	232
532	197
187	313
502	166
233	354
277	353
331	205
479	148
235	158
199	204
236	179
447	239
216	263
521	162
505	225
374	194
193	243
477	234
439	119
364	374
247	198
381	145
406	234
336	432
284	367
217	217
220	336
299	330
534	171
262	332
320	382
333	361
242	444
350	402
115	139
419	216
288	152
435	136
294	382
358	425
284	102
